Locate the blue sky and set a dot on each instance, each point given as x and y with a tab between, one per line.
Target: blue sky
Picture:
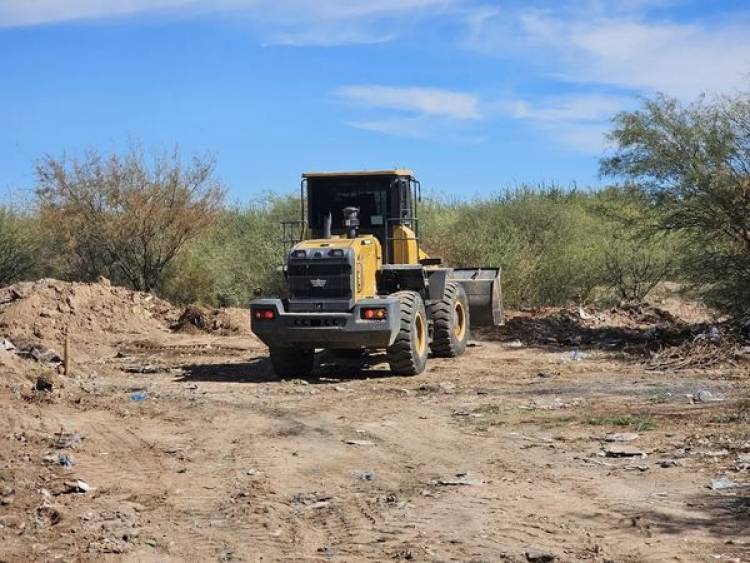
474	95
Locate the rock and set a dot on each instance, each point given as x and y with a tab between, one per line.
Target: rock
623	451
101	280
721	484
538	556
621	437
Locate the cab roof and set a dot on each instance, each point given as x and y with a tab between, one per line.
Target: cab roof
394	172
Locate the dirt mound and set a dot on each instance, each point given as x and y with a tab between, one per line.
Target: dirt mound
42	312
196	319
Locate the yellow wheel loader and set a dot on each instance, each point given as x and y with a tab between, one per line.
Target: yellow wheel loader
358	280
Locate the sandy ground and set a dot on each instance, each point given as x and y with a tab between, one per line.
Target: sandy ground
496	456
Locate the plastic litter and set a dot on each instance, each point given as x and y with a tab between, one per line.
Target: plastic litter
139	396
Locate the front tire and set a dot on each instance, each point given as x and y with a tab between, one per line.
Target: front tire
450	322
292	362
408	353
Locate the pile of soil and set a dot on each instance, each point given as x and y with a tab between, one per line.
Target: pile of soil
41	312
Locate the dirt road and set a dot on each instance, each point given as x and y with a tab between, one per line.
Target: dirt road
500	455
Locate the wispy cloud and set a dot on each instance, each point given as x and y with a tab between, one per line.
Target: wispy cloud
286	22
426	101
577	121
595	44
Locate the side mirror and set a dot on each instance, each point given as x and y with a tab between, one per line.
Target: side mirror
258	291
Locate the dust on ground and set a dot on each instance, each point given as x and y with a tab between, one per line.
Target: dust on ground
565	436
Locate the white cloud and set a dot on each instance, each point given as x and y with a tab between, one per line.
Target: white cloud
606	46
578	121
426	101
287	22
409	127
581	107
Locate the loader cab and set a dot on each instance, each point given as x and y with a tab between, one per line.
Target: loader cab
387	202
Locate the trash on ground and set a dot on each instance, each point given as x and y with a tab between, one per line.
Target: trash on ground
621	437
44	382
364	475
7	345
359	442
59	458
458	479
722	483
514	344
577	355
76	486
705	396
145	369
622	451
538	556
139	396
312	501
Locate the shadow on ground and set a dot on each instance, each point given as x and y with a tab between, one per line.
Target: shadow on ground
328	370
724	515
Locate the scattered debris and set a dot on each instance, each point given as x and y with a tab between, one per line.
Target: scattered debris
364	475
705	396
139	396
622	451
66	440
145	369
667	463
45	382
7	345
578	356
721	484
514	344
313	501
538	556
76	486
621	437
59	458
546	404
359	442
458	480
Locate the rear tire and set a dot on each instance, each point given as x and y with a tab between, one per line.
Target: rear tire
450	322
291	362
408	353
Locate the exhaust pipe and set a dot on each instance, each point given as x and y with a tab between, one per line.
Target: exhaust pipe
327	220
351	221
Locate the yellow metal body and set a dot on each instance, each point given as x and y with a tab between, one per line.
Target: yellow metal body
368	259
405	247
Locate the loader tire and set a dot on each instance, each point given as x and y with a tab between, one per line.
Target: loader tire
291	362
408	353
450	322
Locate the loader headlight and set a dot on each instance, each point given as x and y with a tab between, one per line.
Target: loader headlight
336	252
299	254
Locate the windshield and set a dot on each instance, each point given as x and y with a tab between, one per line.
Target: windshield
369	194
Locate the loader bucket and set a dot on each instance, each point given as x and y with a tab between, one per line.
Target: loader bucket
482	286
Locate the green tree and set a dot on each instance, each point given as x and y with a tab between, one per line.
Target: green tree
693	161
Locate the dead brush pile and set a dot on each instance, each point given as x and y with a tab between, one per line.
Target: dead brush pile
195	319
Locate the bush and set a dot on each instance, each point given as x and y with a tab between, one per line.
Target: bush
17	246
124	217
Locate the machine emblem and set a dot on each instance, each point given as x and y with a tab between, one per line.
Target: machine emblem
318	283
